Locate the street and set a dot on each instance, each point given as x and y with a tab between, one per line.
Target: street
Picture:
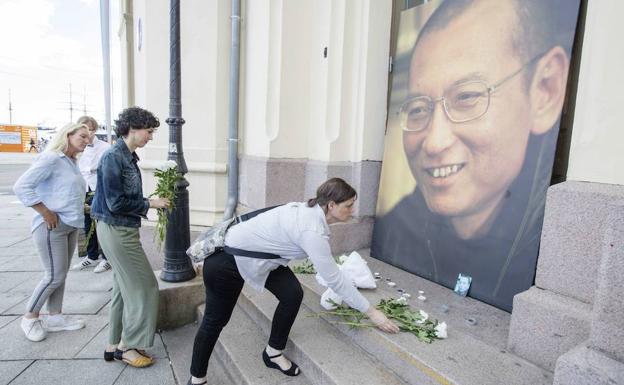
12	165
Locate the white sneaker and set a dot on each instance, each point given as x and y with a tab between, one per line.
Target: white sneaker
33	329
58	322
102	266
84	263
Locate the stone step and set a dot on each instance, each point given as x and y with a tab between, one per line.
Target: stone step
238	353
179	345
325	355
472	354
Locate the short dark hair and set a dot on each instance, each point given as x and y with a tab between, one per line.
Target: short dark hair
134	117
539	25
334	189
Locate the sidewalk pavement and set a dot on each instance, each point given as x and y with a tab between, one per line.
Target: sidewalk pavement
71	357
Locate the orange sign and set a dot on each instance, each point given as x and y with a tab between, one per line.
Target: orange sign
18	138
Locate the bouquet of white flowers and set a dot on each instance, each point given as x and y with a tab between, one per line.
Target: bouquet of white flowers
166	177
417	323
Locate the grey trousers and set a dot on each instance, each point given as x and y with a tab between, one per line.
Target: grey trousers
134	301
55	248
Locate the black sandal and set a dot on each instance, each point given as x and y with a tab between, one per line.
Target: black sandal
140	362
109	356
292	371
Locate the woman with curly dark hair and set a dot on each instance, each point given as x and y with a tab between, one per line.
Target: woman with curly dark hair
118	207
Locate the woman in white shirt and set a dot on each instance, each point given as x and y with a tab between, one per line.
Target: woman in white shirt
54	188
88	164
258	251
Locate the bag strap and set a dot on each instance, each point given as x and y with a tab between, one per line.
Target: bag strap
251	214
248	253
251	254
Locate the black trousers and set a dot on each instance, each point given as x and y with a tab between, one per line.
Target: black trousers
93	247
223	286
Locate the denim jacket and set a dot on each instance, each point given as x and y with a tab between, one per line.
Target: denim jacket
119	197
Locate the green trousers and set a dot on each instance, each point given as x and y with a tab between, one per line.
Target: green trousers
134	301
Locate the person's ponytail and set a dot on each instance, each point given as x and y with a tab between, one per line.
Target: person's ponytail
333	190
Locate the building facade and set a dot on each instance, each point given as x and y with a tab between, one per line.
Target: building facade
314	79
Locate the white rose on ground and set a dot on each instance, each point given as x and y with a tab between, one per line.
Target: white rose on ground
424	316
440	330
401	300
330	300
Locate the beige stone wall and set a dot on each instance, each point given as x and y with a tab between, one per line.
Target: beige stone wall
597	149
299	103
296	104
205	37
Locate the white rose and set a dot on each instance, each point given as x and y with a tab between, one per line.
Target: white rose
440	330
169	164
424	316
401	301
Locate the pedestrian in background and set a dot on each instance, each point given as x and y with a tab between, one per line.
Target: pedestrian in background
54	188
33	146
88	164
118	207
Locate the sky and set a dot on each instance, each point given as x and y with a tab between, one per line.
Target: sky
48	45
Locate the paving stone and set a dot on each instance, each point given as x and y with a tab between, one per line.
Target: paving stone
179	345
95	347
17	252
11	369
60	345
87	280
9	281
73	303
160	373
13	301
70	372
27	262
5	320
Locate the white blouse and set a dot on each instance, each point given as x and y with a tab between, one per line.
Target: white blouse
292	231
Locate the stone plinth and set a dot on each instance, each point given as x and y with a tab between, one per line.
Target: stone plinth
572	320
545	325
572	237
584	366
607	330
179	301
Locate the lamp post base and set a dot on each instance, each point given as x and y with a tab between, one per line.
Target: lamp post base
179	270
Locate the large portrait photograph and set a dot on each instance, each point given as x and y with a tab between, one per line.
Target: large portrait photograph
478	89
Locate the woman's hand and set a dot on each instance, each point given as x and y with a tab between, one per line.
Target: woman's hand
50	218
158	203
381	321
